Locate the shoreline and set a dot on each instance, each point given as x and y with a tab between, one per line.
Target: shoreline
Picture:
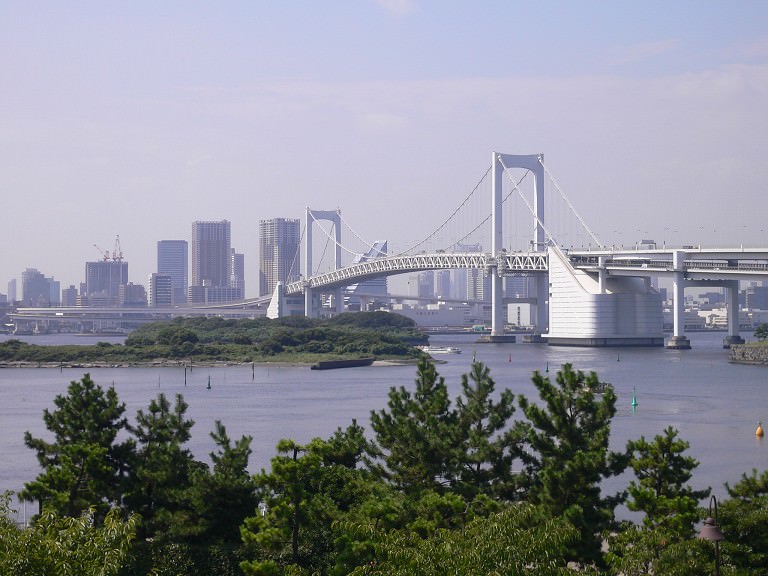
177	364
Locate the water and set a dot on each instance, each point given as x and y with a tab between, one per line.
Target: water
714	405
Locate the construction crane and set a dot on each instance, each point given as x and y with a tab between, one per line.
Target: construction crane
117	253
104	253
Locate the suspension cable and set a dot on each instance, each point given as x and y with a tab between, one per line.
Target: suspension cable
484	220
332	239
568	202
445	223
365	242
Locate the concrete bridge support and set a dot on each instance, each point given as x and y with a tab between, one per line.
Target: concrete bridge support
678	341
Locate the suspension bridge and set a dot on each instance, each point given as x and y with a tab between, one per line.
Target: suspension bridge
515	222
584	293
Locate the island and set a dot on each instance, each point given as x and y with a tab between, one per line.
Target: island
291	340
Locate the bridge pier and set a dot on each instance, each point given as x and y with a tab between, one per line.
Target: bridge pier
678	341
732	299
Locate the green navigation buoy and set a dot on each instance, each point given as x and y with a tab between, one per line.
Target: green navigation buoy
209	383
547	368
634	398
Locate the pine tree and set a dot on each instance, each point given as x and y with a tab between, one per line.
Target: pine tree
417	434
161	475
488	446
660	491
83	466
568	456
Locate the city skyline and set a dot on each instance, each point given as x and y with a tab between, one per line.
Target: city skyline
135	120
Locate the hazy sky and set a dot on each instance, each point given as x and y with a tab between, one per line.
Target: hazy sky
138	117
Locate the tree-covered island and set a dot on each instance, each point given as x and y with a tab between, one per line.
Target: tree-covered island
380	335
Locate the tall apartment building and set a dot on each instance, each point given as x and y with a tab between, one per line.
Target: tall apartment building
279	241
173	261
211	261
237	276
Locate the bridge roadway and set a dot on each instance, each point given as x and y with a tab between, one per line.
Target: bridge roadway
698	264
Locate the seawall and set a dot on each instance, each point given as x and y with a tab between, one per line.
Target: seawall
749	354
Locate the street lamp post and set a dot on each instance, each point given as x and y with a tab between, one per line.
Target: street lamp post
711	531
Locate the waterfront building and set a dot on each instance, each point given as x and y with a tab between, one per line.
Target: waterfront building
69	296
161	294
132	296
279	241
173	261
211	261
103	280
37	290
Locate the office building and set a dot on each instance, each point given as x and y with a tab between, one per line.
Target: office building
161	294
279	241
211	259
172	260
103	280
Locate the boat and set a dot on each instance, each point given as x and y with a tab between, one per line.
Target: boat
439	349
332	364
599	388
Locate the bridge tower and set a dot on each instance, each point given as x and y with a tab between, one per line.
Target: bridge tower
311	298
533	163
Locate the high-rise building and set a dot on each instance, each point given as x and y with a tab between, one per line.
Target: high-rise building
211	258
426	284
132	295
443	284
237	277
12	291
160	290
69	296
279	241
103	280
172	260
37	290
374	291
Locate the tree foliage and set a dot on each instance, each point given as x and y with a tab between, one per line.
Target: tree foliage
567	455
661	491
65	546
761	332
416	435
513	541
84	464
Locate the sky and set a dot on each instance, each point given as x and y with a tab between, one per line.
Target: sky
136	118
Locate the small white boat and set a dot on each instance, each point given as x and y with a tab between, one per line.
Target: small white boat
439	349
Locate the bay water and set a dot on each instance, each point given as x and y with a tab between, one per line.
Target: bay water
715	405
